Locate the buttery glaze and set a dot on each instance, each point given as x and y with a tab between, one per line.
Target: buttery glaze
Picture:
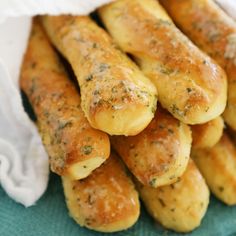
74	147
158	155
105	201
215	33
218	167
208	134
190	85
116	97
179	206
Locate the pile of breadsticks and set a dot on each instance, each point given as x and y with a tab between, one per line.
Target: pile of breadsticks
152	94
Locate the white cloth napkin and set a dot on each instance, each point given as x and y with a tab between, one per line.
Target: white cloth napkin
23	160
229	6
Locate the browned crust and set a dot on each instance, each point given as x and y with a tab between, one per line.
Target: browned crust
179	206
159	154
215	33
110	83
65	132
190	85
106	200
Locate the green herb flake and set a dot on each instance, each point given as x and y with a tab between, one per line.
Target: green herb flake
170	131
171	177
96	92
213	37
163	23
33	85
33	65
87	149
196	26
46	114
114	90
152	182
221	189
90	200
89	78
64	124
166	71
103	67
153	109
189	90
95	45
162	202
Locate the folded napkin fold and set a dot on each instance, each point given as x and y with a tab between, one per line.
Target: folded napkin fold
23	161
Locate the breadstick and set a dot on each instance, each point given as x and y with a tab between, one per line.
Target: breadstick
73	146
215	33
190	85
115	96
106	201
180	206
158	155
218	165
208	134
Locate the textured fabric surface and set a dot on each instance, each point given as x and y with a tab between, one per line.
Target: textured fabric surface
49	217
23	160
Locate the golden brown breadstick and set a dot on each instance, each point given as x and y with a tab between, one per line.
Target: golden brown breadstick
105	201
74	147
190	85
218	165
215	33
115	96
158	155
208	134
180	206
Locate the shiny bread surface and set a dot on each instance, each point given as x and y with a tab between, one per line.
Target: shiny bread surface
179	206
191	86
73	146
105	201
158	155
208	26
115	96
218	165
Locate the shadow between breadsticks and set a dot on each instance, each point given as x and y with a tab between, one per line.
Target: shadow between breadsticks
158	155
179	206
75	149
105	201
115	96
208	26
218	165
190	85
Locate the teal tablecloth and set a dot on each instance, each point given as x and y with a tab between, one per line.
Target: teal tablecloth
49	217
